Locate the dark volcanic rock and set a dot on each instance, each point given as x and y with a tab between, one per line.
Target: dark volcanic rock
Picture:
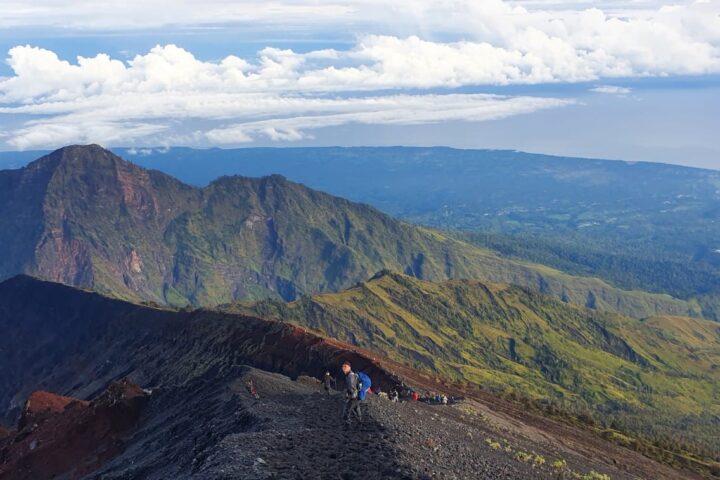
77	342
293	431
62	436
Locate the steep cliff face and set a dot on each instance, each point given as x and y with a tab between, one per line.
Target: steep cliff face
85	217
103	221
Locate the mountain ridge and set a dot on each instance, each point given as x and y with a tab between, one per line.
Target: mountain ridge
638	225
92	219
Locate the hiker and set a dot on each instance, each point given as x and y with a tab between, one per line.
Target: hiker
352	391
328	381
250	385
395	396
444	399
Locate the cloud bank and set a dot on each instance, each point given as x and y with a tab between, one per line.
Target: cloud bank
402	71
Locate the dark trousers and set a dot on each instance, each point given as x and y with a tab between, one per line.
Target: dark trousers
351	409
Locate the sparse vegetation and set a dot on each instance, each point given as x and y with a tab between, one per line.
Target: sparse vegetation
523	456
593	475
493	444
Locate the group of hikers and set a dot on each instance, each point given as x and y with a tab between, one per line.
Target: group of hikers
358	386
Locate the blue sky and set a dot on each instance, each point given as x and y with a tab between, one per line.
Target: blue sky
635	80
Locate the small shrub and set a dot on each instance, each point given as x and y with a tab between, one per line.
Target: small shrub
593	475
523	456
492	444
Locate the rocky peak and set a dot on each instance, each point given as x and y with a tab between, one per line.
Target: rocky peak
76	154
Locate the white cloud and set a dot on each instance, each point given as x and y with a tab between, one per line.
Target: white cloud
391	110
611	89
281	94
158	97
235	118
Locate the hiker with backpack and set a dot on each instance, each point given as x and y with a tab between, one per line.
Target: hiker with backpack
356	388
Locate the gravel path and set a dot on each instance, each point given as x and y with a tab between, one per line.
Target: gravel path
299	436
217	430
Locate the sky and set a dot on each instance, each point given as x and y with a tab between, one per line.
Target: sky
632	80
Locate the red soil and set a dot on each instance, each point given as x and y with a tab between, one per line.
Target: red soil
65	436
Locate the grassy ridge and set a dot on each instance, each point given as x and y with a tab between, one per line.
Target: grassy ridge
658	377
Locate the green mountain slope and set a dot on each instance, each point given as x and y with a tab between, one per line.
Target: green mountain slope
85	217
639	226
659	377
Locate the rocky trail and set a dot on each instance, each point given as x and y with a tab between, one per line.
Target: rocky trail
293	431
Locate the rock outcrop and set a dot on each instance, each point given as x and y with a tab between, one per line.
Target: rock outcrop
66	437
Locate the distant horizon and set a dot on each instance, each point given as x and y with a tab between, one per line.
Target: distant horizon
633	81
162	149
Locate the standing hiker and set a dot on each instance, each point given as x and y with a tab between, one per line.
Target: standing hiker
328	381
352	390
252	390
